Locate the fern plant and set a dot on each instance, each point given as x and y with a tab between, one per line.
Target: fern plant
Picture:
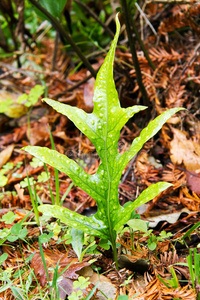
102	127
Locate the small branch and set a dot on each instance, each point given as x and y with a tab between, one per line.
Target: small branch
134	54
65	35
95	17
142	45
55	50
73	87
146	19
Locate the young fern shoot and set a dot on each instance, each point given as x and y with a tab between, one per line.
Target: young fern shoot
102	127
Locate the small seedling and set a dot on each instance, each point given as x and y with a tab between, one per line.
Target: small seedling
79	285
3	178
17	232
35	162
153	239
103	128
7	170
170	283
20	107
8	218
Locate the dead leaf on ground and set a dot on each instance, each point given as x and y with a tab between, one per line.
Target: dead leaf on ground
157	290
39	133
185	151
6	154
193	181
170	218
51	259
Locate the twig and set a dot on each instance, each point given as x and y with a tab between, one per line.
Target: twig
56	96
13	69
134	54
142	46
95	17
65	35
146	19
55	50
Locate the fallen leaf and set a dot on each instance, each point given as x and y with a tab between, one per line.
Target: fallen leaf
193	181
105	285
6	154
170	218
51	259
39	133
14	109
185	151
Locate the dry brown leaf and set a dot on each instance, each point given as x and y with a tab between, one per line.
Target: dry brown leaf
157	290
51	259
184	151
193	181
6	154
39	132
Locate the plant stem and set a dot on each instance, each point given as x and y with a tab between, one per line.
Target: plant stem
56	172
142	45
65	35
133	52
114	248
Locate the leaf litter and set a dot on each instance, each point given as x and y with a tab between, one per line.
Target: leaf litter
176	151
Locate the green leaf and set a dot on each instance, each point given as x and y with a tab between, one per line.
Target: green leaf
22	98
3	257
8	218
152	245
147	133
151	192
8	166
24	183
35	93
89	183
32	98
23	233
5	105
82	283
15	230
12	238
3	180
43	177
55	8
36	162
45	238
137	225
122	297
105	244
89	225
102	127
77	241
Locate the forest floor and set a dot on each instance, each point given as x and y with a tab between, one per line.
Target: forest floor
155	265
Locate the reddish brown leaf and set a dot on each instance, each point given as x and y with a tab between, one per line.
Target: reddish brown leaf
51	259
193	181
6	154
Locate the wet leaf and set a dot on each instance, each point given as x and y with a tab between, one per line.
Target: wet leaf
102	127
77	241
